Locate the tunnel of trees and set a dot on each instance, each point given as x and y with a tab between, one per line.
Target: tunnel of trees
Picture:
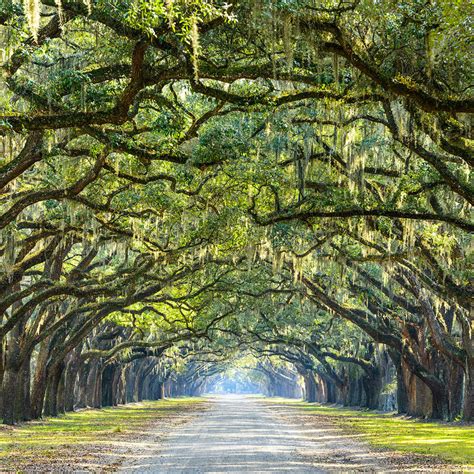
275	188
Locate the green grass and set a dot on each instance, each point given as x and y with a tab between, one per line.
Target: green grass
58	438
452	442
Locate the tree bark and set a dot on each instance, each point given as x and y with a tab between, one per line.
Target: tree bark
402	394
468	409
52	389
61	397
2	370
468	339
10	386
40	380
71	373
310	387
23	402
372	387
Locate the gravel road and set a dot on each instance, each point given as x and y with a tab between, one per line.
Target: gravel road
243	434
237	434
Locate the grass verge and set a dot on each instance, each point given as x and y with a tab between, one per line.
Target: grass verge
82	438
451	442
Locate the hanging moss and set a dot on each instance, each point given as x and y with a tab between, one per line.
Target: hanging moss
88	4
32	13
59	6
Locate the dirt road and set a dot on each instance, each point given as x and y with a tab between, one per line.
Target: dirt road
243	434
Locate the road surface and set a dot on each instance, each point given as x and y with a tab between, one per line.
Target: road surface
242	434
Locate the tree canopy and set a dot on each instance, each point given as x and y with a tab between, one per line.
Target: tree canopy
284	187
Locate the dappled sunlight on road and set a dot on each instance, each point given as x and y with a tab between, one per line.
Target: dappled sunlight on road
242	434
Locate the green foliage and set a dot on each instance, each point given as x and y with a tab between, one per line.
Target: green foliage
264	169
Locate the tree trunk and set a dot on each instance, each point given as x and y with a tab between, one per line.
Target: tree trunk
440	405
468	409
372	387
419	396
130	383
11	377
23	402
159	390
116	385
9	388
81	386
402	393
61	402
97	393
331	391
70	383
122	394
468	340
107	385
40	380
310	387
52	389
2	370
354	396
90	387
139	381
455	390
